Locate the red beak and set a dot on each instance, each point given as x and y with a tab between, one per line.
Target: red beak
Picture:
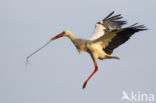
58	36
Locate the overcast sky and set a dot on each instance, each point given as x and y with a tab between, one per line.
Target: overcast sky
57	72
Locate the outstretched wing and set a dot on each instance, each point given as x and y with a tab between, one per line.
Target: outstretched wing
108	24
113	39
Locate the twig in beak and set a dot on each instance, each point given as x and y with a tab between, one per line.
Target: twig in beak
27	59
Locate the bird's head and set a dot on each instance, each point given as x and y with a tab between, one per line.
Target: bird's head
64	33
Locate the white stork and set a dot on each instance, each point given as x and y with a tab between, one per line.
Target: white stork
107	36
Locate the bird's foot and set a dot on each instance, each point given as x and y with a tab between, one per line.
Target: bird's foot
84	85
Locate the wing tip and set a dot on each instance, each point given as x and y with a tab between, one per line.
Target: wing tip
110	14
115	18
118	16
138	27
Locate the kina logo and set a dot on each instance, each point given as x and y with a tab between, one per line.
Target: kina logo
137	97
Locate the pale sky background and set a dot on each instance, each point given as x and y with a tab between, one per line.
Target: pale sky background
58	71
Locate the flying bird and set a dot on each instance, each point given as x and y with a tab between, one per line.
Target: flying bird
107	36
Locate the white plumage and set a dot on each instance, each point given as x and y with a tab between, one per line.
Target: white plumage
98	32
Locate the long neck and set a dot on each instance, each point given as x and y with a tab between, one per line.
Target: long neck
72	37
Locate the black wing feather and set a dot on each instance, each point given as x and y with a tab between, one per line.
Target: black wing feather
122	36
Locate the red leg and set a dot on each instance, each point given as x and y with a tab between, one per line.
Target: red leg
96	69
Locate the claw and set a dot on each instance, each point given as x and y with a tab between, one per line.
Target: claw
84	85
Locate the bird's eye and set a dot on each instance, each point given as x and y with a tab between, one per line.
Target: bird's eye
63	32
